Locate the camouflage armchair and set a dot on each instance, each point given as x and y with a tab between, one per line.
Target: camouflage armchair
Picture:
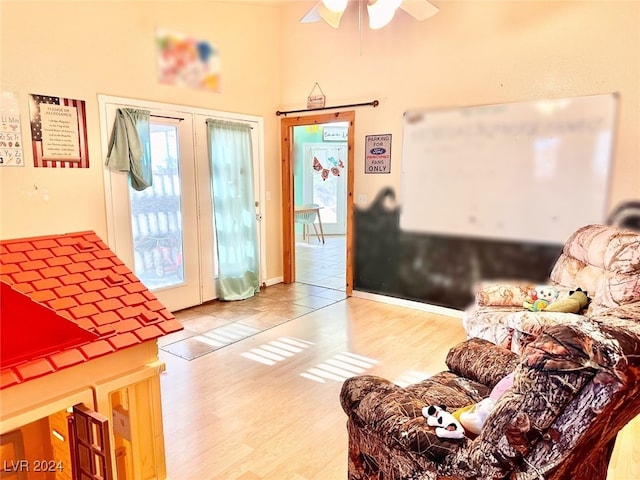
603	260
575	386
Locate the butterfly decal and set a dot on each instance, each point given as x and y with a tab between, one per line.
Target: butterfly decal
317	166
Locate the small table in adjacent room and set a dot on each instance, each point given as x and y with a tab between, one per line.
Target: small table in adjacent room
306	215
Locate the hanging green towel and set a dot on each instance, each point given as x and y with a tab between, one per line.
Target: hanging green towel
129	146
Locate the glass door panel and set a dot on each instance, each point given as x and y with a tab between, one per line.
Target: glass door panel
164	233
156	215
155	231
324	183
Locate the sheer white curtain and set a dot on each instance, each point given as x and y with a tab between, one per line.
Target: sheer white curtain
231	159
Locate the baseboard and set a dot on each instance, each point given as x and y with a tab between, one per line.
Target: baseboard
273	281
401	302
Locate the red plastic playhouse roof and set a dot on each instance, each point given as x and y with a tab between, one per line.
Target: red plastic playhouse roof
67	299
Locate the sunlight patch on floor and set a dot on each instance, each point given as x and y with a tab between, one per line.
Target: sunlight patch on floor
340	367
276	350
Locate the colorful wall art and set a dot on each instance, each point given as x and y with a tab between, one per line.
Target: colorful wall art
188	62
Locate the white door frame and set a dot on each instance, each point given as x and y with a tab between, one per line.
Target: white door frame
187	112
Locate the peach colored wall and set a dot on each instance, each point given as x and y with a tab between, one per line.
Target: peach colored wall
82	49
470	53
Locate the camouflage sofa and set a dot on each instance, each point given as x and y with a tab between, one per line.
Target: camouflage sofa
575	386
602	260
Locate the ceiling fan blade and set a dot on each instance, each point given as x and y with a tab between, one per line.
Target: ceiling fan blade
320	12
419	9
312	15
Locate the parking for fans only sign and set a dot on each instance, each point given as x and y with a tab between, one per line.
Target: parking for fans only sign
377	154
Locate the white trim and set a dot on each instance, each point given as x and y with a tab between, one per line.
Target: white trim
401	302
272	281
187	110
263	202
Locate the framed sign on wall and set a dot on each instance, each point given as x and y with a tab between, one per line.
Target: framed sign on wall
58	132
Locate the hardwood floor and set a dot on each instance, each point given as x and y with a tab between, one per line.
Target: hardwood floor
267	407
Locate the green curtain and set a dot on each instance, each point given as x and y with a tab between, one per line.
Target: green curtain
130	146
231	160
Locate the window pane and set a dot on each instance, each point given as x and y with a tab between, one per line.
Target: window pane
325	194
156	215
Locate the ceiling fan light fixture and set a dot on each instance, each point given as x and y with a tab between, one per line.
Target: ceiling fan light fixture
335	5
381	12
332	18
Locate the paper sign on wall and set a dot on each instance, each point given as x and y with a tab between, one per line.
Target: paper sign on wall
58	132
377	154
10	132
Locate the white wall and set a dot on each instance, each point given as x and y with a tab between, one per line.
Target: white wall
82	49
470	53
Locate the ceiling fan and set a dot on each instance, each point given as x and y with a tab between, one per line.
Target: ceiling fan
380	12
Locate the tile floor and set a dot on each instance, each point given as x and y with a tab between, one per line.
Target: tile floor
213	325
322	264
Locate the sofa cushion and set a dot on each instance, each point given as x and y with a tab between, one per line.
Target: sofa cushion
605	247
604	261
395	414
505	293
490	323
481	361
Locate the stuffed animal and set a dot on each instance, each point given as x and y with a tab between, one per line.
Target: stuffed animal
540	298
574	303
473	417
446	424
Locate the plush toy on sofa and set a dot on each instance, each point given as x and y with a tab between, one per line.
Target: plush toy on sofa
574	303
473	417
540	298
446	424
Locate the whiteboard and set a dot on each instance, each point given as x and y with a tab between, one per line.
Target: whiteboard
532	171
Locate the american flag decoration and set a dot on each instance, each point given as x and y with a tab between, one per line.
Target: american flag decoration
78	159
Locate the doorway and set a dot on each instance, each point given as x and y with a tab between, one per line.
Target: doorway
165	233
67	444
317	180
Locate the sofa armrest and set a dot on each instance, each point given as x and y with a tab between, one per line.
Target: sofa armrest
394	415
567	371
527	326
502	294
482	361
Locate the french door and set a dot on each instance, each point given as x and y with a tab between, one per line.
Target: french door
165	233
